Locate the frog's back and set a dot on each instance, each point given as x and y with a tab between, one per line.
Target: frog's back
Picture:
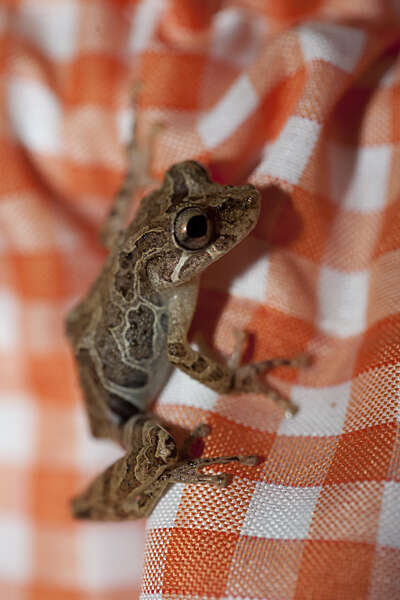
119	331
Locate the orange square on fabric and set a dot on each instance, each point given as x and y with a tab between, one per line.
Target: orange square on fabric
299	460
363	455
48	591
52	489
264	568
198	562
158	69
222	509
317	214
88	80
380	346
97	185
53	378
18	175
40	276
370	404
334	570
230	439
356	508
277	334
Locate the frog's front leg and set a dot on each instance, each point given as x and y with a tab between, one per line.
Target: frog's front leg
246	377
223	378
137	175
199	365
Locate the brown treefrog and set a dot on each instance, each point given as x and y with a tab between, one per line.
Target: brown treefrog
133	325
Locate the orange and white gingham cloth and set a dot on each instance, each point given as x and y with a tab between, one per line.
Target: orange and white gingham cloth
301	98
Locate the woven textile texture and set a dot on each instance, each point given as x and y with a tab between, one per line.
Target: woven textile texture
301	98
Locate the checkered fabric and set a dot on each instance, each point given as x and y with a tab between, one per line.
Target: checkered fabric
302	98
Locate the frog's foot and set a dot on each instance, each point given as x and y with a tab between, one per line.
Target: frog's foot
240	342
246	378
190	471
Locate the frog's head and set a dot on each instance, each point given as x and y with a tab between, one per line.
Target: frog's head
206	220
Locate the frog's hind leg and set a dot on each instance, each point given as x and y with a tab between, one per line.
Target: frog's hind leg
116	494
136	176
190	470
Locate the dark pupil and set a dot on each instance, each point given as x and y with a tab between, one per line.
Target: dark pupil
197	226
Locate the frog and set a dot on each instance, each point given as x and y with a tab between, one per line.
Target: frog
132	328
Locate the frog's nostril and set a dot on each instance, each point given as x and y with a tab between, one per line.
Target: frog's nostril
249	202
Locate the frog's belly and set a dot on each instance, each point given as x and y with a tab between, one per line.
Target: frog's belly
132	387
158	374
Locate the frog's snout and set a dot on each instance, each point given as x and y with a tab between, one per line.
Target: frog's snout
252	199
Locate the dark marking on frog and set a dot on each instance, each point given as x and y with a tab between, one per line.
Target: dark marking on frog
139	334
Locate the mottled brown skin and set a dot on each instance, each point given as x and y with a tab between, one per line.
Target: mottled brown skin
133	326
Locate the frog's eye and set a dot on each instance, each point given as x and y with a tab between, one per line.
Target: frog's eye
193	228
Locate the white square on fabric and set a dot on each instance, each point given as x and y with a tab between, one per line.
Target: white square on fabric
322	411
165	512
244	272
287	157
389	522
124	118
359	177
185	391
252	283
108	555
228	41
230	112
339	45
18	429
16	548
52	25
10	334
38	128
278	512
92	455
147	16
343	300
